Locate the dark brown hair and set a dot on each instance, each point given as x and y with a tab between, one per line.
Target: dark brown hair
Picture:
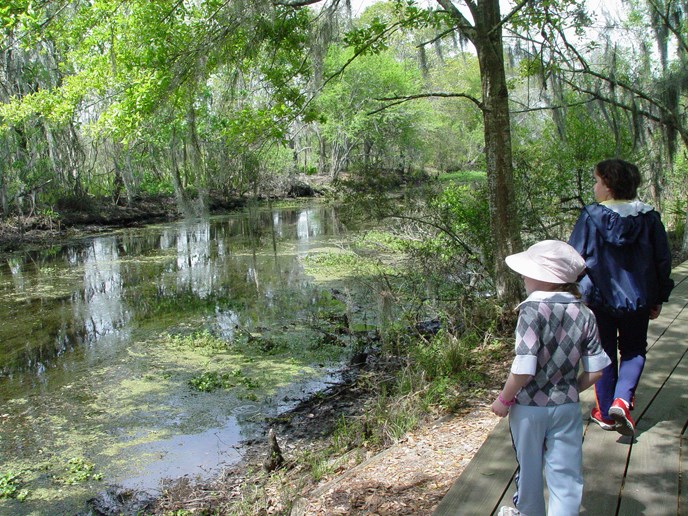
571	288
621	177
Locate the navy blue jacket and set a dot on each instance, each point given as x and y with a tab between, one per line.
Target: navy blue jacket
626	251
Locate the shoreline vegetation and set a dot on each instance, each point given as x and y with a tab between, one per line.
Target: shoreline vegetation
90	215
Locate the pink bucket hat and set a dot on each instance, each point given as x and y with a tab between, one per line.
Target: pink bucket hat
552	261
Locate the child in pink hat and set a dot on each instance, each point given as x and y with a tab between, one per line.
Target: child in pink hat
556	337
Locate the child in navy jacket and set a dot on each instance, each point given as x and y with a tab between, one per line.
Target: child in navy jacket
628	261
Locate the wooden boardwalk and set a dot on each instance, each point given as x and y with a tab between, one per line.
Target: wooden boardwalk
623	476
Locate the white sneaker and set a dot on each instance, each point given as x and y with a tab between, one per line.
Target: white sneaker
507	511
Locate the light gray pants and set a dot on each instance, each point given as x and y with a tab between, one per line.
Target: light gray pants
548	439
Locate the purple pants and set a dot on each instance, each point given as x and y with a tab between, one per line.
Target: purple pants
623	337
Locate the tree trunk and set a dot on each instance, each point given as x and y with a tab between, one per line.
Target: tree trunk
322	151
196	161
122	173
486	36
656	168
684	246
180	197
3	192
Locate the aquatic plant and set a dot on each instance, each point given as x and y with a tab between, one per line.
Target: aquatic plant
78	470
379	240
201	341
213	380
9	487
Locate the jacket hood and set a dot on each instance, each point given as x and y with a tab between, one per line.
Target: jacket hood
619	223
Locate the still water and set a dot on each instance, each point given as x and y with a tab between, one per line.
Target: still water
104	344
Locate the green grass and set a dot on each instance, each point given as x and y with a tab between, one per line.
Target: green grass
463	176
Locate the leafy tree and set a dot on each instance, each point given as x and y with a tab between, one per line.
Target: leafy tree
137	76
485	33
454	129
38	155
383	140
554	162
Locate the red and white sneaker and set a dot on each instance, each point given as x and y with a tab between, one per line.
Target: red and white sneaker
605	424
619	412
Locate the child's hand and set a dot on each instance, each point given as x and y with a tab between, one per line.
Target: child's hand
499	408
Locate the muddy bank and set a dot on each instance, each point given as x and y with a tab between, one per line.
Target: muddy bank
73	219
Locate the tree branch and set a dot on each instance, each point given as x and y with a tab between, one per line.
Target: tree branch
395	101
528	109
357	53
438	37
508	16
463	24
472	254
295	3
596	95
667	22
668	117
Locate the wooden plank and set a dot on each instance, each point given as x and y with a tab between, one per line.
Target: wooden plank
670	310
680	272
664	354
507	497
651	484
652	479
603	484
479	488
661	360
604	463
683	487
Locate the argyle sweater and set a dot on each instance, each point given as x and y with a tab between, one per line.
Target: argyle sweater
555	334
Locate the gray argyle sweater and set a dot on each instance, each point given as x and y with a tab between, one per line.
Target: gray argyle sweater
555	334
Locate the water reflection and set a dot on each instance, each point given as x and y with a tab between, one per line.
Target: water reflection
78	327
99	305
54	302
